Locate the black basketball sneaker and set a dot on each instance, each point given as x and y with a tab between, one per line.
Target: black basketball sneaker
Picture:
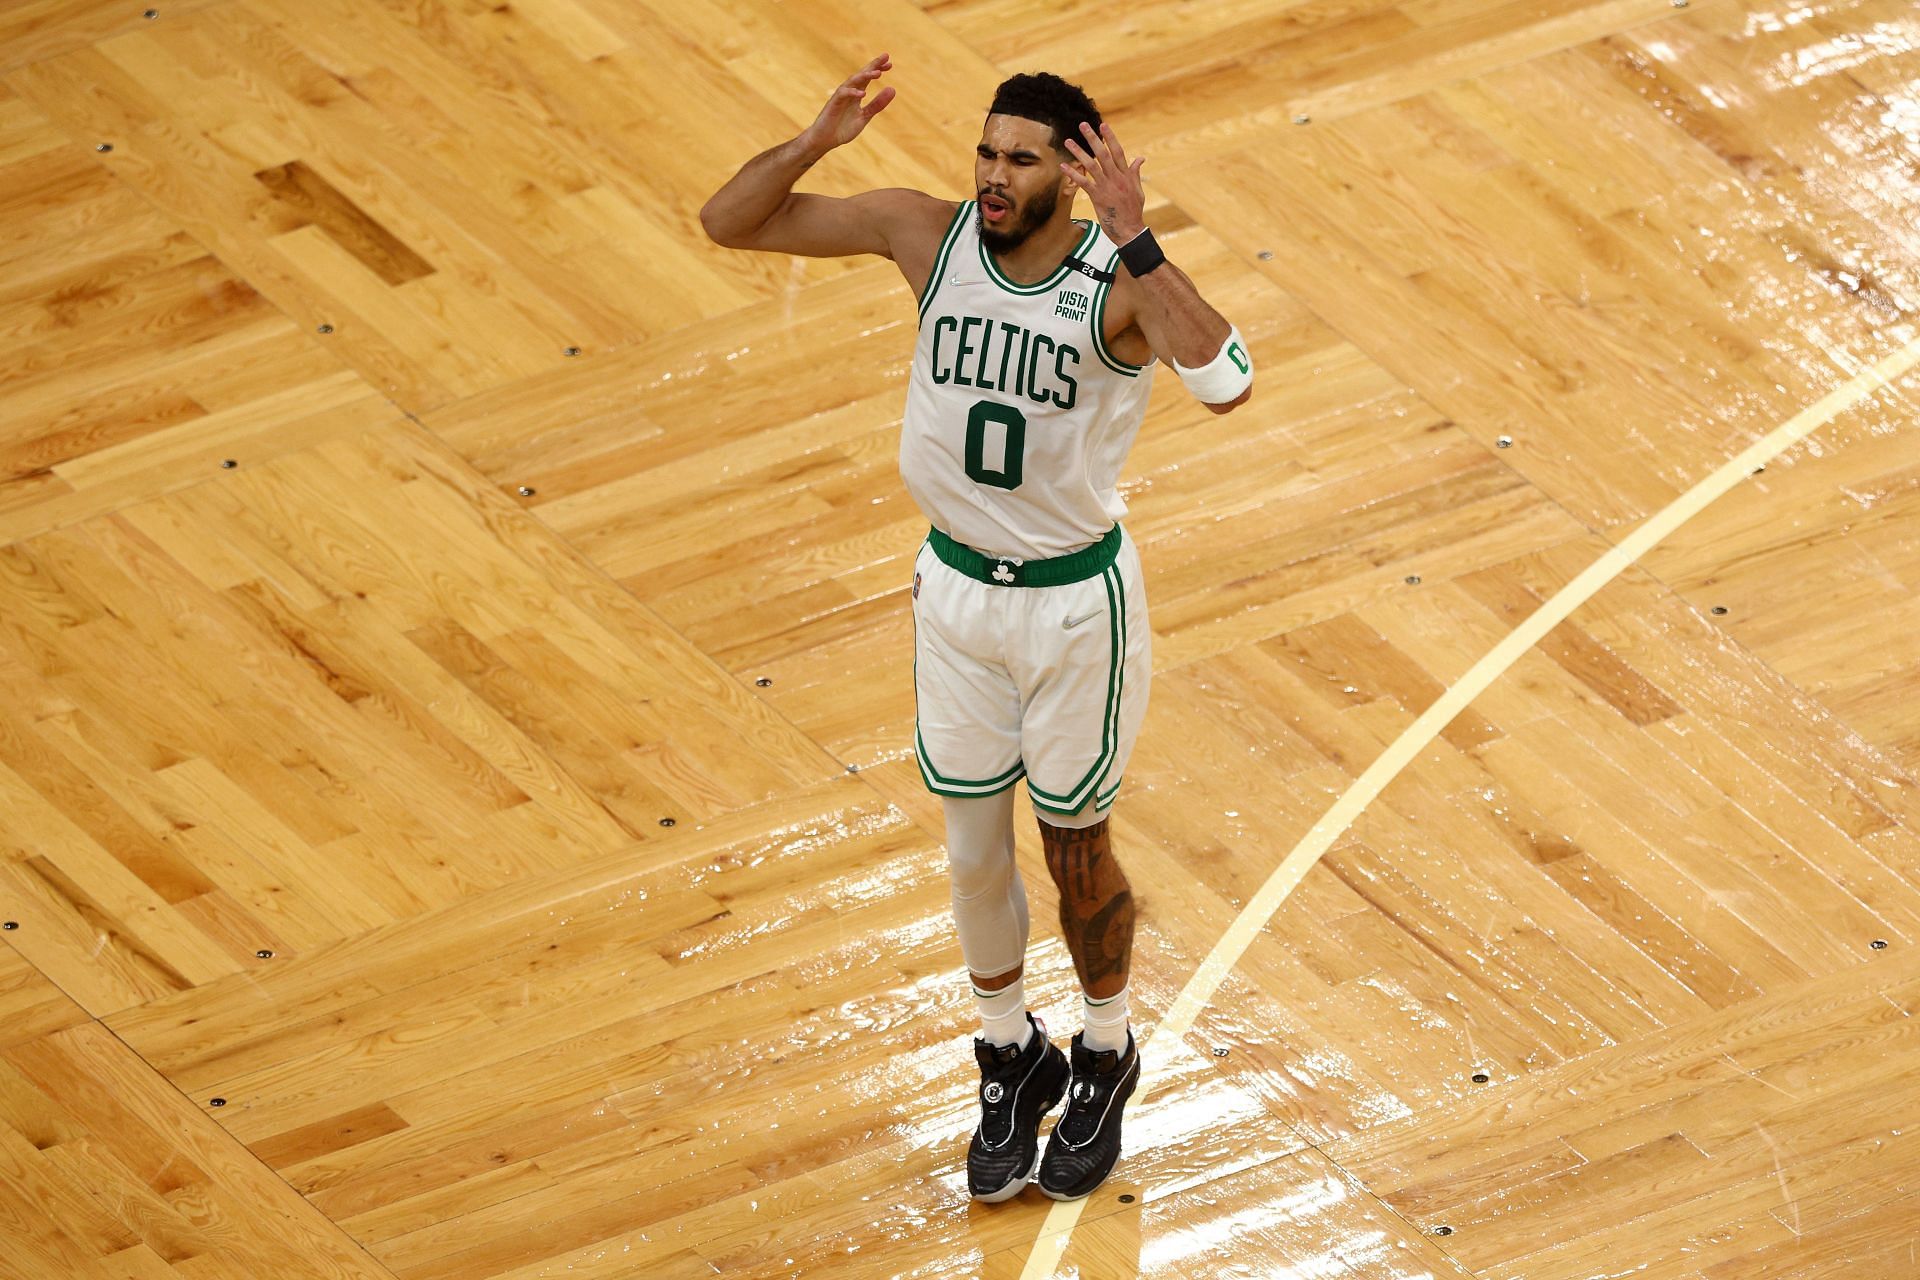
1085	1141
1017	1087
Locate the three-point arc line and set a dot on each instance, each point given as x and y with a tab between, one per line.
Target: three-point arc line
1057	1231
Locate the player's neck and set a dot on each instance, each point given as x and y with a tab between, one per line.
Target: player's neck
1040	254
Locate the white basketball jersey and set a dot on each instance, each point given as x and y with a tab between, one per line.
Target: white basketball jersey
1018	417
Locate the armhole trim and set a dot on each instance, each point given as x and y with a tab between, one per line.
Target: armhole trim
1099	324
940	259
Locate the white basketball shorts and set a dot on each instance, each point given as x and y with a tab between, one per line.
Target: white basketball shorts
1046	682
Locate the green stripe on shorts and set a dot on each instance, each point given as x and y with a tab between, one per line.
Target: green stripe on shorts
941	785
1078	795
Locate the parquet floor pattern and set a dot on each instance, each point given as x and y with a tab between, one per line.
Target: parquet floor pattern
454	664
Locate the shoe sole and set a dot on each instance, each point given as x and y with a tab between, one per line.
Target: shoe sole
1063	1196
1019	1184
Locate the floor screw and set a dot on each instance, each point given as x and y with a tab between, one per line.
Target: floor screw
1302	118
571	351
325	328
1413	579
1719	610
666	822
526	491
1504	442
1878	944
228	464
103	146
263	954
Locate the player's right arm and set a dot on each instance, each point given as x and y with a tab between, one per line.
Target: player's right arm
759	209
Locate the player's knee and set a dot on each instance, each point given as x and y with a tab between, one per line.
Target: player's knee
979	844
976	872
1073	850
978	866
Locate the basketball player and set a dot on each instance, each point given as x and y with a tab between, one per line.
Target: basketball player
1031	646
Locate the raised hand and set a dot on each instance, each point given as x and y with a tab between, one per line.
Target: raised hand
1101	170
844	116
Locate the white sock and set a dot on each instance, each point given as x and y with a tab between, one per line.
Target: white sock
1003	1014
1106	1026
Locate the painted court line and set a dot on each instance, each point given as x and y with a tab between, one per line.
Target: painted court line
1058	1228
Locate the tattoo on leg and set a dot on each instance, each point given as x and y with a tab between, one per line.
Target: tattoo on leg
1096	905
1074	856
1106	941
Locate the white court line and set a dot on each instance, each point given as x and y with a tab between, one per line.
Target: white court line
1058	1228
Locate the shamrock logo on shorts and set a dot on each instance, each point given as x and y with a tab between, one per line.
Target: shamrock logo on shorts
1003	572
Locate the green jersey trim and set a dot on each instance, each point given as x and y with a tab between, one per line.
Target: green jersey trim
1051	282
1107	357
940	259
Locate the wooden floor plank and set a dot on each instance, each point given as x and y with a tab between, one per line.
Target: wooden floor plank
496	786
137	1167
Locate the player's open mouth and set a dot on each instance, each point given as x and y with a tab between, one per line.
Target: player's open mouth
993	208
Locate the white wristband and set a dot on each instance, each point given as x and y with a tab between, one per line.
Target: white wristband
1225	376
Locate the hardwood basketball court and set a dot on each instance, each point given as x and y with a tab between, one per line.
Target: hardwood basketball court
459	816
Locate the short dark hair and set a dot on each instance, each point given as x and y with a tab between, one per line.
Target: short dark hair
1045	97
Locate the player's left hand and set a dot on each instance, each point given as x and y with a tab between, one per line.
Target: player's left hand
1100	169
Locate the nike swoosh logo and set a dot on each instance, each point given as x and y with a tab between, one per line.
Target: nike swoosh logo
1068	624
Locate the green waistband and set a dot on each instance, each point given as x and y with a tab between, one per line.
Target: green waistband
1088	562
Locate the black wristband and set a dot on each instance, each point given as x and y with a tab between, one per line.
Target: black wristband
1141	254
